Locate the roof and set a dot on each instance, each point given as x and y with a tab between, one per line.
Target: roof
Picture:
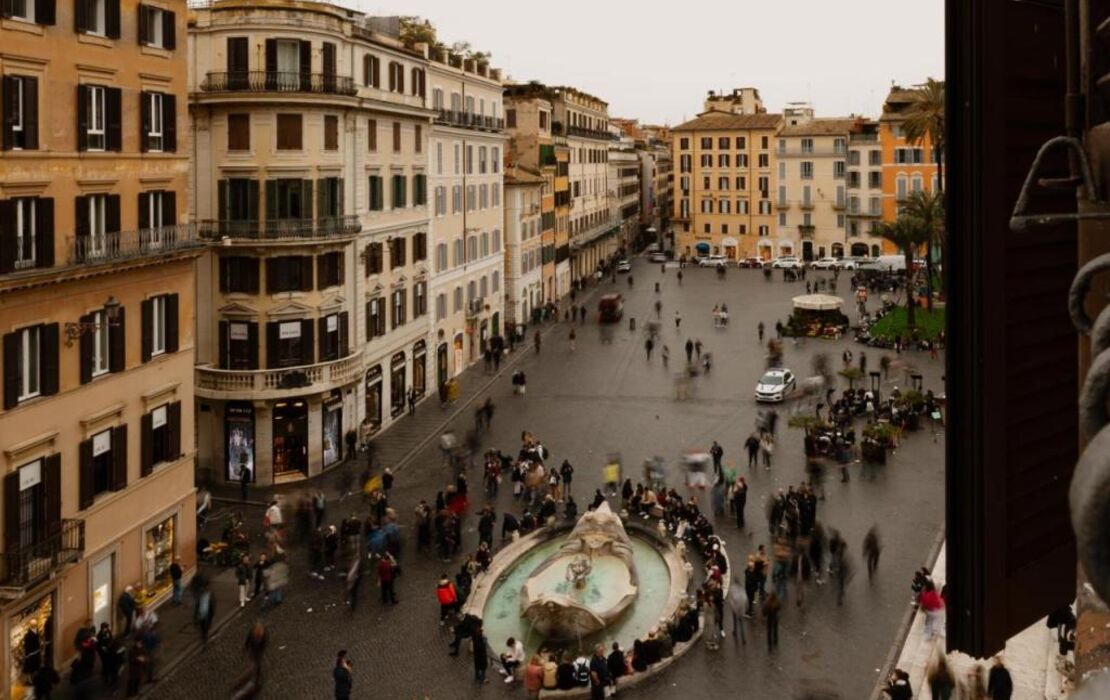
715	120
520	175
821	127
896	102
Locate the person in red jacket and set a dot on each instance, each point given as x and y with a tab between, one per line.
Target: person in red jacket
448	597
387	573
933	606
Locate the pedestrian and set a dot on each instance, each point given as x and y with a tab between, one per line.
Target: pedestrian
771	607
933	605
205	613
739	500
1000	686
697	348
243	578
759	328
717	452
536	341
572	338
689	351
872	547
898	685
666	355
680	278
566	472
448	596
481	654
766	448
259	571
739	606
138	659
412	401
752	446
126	607
599	671
942	683
175	576
648	347
319	507
511	659
244	479
387	575
677	319
341	674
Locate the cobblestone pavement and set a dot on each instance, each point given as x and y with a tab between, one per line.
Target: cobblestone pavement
584	404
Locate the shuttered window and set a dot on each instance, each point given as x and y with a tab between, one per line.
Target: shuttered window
160	438
103	464
289	137
26	233
238	273
20	96
329	270
238	132
30	363
289	273
374	258
331	132
372	134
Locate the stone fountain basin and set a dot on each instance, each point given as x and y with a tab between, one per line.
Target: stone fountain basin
561	610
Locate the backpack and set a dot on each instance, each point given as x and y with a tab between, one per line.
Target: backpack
581	670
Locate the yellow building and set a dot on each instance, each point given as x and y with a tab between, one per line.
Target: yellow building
96	318
865	190
907	167
725	171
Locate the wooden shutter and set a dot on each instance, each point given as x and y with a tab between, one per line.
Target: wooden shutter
392	76
372	134
117	342
82	109
11	369
322	270
80	15
344	345
146	444
148	322
369	322
329	67
11	512
169	30
306	200
7	236
306	273
113	109
144	118
145	12
30	113
250	272
306	65
44	232
85	351
173	420
48	358
7	107
273	283
272	331
169	122
144	210
271	56
237	63
169	208
52	492
81	226
252	345
325	340
112	213
308	347
45	12
224	336
271	201
85	468
322	195
119	458
221	200
173	326
252	202
111	18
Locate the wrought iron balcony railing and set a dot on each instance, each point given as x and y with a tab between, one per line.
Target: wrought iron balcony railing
278	81
282	229
25	566
111	246
467	120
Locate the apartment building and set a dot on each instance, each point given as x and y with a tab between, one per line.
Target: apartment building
907	167
468	146
525	191
865	190
726	174
96	319
311	176
624	184
811	194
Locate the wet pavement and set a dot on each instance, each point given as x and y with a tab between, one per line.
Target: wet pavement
606	397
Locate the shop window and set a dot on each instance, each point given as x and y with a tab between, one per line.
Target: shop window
160	547
398	391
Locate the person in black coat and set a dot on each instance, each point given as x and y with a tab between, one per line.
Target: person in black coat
481	654
999	684
616	662
341	674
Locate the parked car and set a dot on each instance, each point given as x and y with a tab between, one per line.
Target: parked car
713	261
658	257
824	264
787	262
624	266
610	308
849	263
775	385
752	263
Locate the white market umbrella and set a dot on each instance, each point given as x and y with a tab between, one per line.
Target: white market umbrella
818	302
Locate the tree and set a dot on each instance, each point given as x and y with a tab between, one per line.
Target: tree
417	30
908	234
928	208
925	123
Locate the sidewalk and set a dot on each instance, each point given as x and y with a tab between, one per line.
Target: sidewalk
1030	656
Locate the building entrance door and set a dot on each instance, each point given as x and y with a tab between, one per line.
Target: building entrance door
290	428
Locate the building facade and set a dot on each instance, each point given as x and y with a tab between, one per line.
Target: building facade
725	177
907	167
811	194
468	143
311	175
524	194
96	318
865	190
624	184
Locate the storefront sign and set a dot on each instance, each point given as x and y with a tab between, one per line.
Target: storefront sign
287	331
102	443
158	417
30	475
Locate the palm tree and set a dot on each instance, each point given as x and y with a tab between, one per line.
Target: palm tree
928	208
925	122
908	234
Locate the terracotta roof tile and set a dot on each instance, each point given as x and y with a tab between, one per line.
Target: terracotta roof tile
727	121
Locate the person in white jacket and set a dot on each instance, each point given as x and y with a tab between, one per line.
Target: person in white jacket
511	659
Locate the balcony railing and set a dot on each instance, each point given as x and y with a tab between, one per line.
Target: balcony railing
782	204
122	245
863	138
806	231
282	229
467	120
590	133
805	205
278	81
24	567
212	382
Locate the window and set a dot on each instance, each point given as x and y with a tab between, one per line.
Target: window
418	138
374	258
722	143
289	132
838	169
238	274
26	233
684	144
916	184
875	158
807	146
419	189
396	77
840	195
289	343
782	218
764	141
399	308
722	160
21	109
441	307
99	456
495	160
472	248
439	157
158	116
483	196
741	183
400	196
440	200
458	252
458	300
469	166
875	179
396	252
99	17
418	81
485	244
456	199
764	231
419	247
374	193
901	187
441	257
238	132
806	167
497	240
722	183
157	325
807	196
371	70
157	27
372	135
782	194
289	273
329	270
471	197
396	137
482	160
333	337
495	194
94	232
161	436
331	132
707	143
96	109
875	205
419	299
30	363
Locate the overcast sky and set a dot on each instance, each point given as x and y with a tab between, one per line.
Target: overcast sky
655	61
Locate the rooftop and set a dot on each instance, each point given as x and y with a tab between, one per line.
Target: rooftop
835	126
727	121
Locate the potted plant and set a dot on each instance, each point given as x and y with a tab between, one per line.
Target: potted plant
852	374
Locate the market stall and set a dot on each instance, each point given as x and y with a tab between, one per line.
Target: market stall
817	316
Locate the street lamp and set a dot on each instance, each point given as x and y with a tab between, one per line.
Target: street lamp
75	330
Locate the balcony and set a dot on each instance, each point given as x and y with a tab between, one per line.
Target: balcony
113	246
782	204
282	229
474	307
806	230
839	205
590	133
260	384
283	81
806	205
466	120
863	138
26	566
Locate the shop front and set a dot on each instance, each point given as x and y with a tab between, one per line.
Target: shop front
290	435
442	371
460	363
420	368
333	430
372	422
731	247
102	585
159	549
397	386
239	437
30	644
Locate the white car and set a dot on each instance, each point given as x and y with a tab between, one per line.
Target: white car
624	266
787	262
713	261
775	385
824	264
849	263
658	257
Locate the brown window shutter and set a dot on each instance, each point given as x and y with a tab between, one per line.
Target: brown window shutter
117	342
87	484
169	30
224	339
45	12
369	320
173	418
7	236
169	209
85	351
344	345
169	123
396	136
30	112
272	330
144	115
113	110
111	18
11	370
252	345
144	210
306	273
112	213
325	349
119	458
80	15
372	136
48	358
308	347
11	512
173	325
271	56
251	273
146	444
82	108
52	492
322	269
148	320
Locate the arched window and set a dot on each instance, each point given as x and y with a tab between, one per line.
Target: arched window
875	251
838	250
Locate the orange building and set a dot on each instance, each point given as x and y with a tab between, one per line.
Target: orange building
907	167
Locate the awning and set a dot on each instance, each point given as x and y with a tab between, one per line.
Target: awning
702	247
818	302
729	242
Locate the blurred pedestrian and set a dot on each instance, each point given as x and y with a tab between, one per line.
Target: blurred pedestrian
1000	686
771	607
341	674
872	547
